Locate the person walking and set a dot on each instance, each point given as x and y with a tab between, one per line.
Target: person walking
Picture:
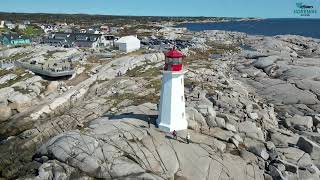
198	95
174	133
149	122
188	138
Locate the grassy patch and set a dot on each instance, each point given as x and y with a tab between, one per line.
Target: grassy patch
214	49
19	72
134	53
156	84
140	71
4	72
94	59
16	57
13	81
189	83
32	31
136	100
16	160
50	53
222	47
23	91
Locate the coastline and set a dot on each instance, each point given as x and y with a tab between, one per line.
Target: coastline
219	21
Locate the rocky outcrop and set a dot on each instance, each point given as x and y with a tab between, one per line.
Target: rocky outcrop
285	78
5	93
119	148
7	78
122	65
251	115
19	102
310	147
52	87
299	122
5	112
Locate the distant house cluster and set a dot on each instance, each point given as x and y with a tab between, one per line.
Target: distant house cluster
11	25
14	39
51	28
60	34
78	40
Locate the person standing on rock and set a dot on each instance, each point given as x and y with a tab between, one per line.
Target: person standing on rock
149	122
188	138
198	95
174	133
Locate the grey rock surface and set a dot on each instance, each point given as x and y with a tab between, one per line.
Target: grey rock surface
119	148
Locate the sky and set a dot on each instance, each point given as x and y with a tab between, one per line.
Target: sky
209	8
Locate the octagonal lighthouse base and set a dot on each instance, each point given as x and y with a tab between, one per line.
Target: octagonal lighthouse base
172	115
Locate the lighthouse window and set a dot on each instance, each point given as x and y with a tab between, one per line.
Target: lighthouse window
175	61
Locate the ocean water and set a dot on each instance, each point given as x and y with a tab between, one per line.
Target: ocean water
267	27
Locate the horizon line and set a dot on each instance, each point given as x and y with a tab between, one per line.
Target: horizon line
118	15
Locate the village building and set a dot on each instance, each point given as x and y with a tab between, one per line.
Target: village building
49	28
22	26
59	39
76	40
26	22
128	44
89	40
10	25
82	31
14	39
104	29
2	24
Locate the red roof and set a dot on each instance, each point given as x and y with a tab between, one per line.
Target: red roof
173	53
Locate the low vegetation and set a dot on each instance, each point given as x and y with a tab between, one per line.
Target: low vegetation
214	49
15	57
21	76
32	31
140	71
51	53
134	98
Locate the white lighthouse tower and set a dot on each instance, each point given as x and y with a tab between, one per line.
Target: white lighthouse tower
172	115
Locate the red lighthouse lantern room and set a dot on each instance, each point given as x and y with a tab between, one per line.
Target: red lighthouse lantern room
173	60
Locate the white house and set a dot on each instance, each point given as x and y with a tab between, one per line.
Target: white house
10	25
49	28
2	24
22	26
128	44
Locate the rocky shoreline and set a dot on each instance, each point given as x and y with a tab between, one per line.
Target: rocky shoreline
257	117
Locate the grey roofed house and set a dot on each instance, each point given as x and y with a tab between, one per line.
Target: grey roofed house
87	40
87	37
60	39
73	39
